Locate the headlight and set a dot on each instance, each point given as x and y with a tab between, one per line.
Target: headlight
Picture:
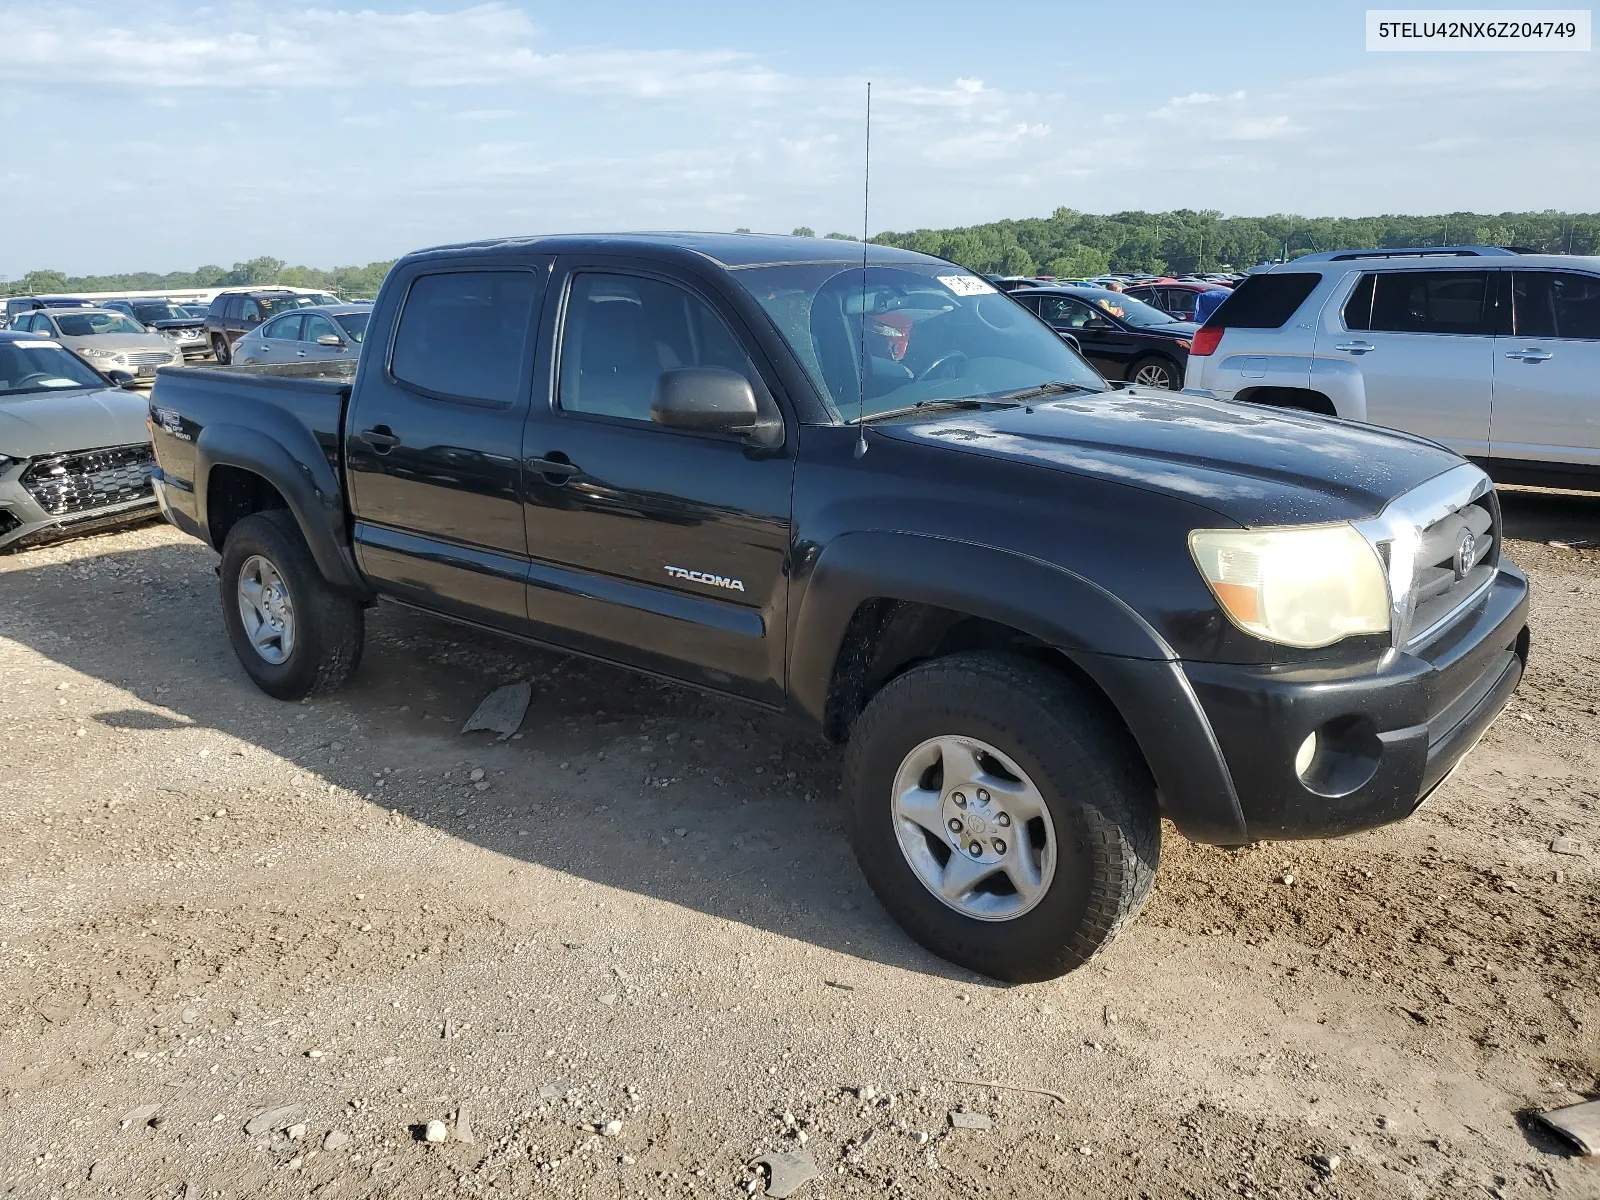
1307	586
93	353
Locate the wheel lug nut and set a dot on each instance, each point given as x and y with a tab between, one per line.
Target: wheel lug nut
961	801
1003	820
976	849
999	846
983	796
955	825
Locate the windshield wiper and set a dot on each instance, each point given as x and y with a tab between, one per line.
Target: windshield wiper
1054	387
925	406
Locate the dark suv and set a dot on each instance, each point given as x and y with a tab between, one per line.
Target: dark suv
234	314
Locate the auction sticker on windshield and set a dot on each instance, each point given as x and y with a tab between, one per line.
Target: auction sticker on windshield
37	345
966	285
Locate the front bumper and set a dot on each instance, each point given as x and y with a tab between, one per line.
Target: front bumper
1388	732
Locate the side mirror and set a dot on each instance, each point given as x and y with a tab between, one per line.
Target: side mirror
1097	323
705	399
330	339
122	379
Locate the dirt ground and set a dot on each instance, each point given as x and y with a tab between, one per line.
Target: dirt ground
645	912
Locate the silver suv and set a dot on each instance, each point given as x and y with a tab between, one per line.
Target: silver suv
1493	352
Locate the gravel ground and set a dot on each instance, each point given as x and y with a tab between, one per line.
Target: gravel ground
627	952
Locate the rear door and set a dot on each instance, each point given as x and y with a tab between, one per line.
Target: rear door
277	340
1423	343
665	549
1547	371
432	451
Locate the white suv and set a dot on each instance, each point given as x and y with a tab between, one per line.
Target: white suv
1493	352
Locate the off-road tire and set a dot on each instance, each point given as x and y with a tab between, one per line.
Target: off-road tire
1099	792
330	627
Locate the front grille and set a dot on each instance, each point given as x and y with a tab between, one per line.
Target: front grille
1440	546
1457	556
74	483
147	358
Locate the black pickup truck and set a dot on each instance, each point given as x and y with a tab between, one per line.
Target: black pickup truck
886	498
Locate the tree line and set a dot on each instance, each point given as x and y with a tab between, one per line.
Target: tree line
1067	243
1075	244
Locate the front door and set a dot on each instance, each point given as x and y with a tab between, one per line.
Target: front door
1547	371
1105	344
660	548
1423	345
433	443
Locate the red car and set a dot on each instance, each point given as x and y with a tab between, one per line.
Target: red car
1172	296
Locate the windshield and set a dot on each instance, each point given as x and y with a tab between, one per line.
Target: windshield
1126	309
933	332
42	366
355	324
159	312
92	324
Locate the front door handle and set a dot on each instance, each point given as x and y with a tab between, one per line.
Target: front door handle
1531	354
381	438
556	468
1356	347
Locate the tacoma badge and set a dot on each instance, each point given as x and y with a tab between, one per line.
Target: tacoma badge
733	585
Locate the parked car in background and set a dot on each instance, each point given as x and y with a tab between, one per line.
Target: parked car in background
74	447
1492	352
234	314
1175	297
187	332
1012	283
195	310
16	305
107	340
324	334
1124	338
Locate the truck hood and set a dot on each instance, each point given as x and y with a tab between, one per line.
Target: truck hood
58	422
1253	465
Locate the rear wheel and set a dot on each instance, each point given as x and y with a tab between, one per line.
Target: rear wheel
1155	372
220	350
294	634
1005	822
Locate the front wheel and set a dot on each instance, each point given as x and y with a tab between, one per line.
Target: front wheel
294	634
1160	373
1006	822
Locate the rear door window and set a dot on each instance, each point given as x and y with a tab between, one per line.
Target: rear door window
462	334
283	329
1425	302
1550	304
1265	301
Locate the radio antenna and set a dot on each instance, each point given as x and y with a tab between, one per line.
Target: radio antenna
861	367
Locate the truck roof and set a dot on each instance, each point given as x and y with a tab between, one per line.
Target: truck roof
725	249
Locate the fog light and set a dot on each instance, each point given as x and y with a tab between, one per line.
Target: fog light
1304	756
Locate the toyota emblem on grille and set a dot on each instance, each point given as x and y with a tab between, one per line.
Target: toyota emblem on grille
1466	554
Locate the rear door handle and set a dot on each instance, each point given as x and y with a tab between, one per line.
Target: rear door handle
381	438
1356	347
555	469
1531	354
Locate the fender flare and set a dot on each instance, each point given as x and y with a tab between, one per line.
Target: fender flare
1135	668
306	481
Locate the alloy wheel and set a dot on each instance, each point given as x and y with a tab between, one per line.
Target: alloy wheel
266	609
974	828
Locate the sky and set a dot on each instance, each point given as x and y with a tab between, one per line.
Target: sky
161	135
